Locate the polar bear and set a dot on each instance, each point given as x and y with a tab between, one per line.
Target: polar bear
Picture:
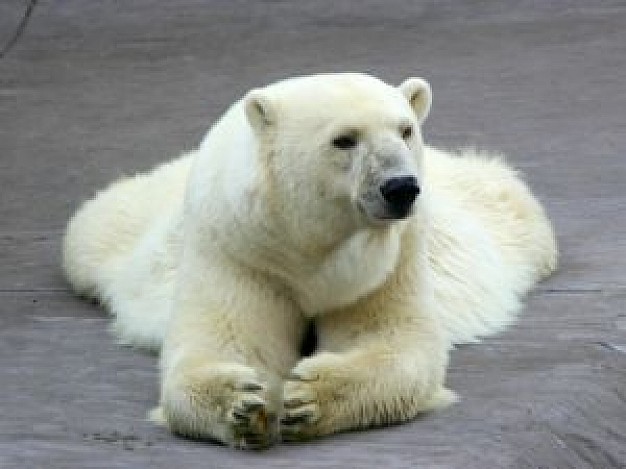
312	200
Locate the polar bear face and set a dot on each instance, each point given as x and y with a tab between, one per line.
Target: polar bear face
341	151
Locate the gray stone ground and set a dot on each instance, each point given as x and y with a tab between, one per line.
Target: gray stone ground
94	90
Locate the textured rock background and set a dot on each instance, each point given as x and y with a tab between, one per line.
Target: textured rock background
93	90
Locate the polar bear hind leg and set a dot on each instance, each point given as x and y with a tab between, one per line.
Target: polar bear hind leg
114	253
490	242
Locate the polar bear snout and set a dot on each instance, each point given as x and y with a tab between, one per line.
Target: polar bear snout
391	198
399	193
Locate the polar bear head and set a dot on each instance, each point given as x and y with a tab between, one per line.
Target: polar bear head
340	151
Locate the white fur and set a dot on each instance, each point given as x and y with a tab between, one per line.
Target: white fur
222	255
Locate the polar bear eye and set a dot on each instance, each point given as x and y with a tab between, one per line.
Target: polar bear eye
345	142
406	131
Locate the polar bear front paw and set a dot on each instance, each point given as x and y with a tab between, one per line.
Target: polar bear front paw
310	399
252	424
226	402
301	410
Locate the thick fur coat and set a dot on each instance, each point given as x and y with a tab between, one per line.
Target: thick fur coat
311	199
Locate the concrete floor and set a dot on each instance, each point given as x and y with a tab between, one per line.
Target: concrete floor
93	90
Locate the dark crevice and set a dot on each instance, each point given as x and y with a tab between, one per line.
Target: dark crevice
20	28
309	340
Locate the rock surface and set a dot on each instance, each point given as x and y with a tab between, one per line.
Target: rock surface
93	90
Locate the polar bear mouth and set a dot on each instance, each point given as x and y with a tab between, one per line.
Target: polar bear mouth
380	214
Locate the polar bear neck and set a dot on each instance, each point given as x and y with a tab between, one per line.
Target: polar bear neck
318	284
318	280
355	268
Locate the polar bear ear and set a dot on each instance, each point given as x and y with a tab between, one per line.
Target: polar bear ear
419	95
259	110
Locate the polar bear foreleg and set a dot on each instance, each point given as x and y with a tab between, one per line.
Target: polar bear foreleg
376	367
231	341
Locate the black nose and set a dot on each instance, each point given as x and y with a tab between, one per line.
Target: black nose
400	193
